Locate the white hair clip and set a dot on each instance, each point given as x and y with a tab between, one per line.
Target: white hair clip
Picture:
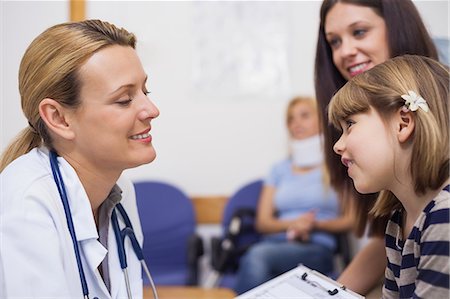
413	101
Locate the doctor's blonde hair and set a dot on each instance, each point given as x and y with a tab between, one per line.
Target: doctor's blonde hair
381	88
50	69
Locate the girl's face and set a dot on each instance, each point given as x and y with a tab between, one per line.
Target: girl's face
303	121
357	37
366	149
112	125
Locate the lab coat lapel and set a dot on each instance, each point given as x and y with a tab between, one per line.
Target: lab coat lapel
92	251
115	271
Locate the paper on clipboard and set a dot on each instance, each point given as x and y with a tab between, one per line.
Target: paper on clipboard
300	282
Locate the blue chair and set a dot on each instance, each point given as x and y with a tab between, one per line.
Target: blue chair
171	246
239	233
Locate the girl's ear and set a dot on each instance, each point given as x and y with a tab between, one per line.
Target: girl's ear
405	124
54	115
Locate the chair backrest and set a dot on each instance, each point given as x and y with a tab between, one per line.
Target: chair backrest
168	221
243	203
246	197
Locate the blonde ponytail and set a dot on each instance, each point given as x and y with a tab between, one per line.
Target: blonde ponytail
24	142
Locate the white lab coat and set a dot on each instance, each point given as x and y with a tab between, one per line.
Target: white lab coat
37	255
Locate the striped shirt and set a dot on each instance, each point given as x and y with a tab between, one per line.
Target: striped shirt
420	266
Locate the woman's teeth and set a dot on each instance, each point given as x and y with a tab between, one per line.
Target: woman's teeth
140	136
358	68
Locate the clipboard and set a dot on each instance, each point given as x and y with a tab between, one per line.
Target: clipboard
300	282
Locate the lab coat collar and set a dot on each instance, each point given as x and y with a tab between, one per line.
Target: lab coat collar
83	219
80	206
85	227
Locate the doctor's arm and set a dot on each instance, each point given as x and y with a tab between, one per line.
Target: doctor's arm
31	253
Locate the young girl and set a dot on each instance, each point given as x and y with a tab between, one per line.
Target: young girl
354	36
395	139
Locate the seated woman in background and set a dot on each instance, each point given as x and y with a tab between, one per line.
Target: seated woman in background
295	207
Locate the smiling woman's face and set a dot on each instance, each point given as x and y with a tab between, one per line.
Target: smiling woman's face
357	37
112	125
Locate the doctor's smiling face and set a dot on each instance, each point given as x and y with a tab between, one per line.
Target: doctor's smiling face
112	126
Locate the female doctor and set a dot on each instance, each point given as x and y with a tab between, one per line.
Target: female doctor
83	91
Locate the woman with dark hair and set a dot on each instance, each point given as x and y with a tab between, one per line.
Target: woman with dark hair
354	36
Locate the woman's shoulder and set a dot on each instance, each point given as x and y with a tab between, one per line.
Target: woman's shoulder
32	163
282	165
26	177
25	169
279	170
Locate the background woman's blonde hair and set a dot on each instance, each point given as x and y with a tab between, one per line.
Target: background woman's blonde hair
296	100
381	88
49	69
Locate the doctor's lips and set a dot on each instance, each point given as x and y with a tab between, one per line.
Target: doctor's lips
143	136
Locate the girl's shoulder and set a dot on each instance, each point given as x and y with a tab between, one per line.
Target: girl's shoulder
436	217
440	202
443	198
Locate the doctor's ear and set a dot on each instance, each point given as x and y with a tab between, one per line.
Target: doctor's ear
405	125
55	117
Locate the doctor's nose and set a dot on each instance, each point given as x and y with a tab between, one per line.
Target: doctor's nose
148	110
339	146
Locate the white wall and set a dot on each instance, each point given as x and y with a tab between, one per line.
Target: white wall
206	145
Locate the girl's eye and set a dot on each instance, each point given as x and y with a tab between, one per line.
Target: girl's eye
146	92
124	102
349	123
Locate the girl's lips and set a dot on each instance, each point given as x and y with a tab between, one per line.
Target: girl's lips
346	162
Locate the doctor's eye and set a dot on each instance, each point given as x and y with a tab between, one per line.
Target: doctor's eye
124	102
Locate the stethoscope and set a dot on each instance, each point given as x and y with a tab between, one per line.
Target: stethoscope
120	235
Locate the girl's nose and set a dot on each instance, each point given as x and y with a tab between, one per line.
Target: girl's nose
339	146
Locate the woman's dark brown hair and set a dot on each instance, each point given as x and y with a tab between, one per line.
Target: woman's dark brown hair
406	34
